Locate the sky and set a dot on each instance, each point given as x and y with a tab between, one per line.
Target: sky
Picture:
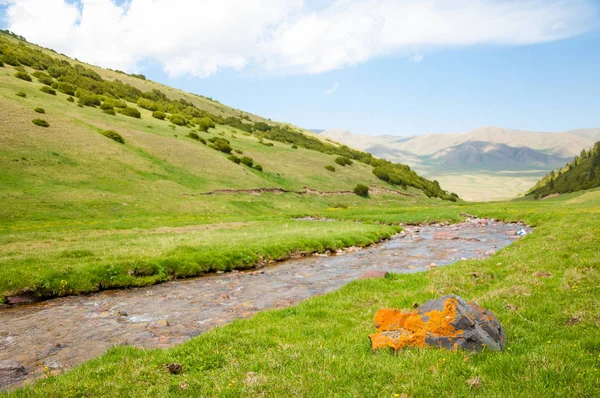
398	67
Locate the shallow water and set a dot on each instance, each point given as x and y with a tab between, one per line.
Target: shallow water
65	332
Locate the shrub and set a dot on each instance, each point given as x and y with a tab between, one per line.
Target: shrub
361	190
128	111
294	146
65	88
343	161
330	168
110	111
220	144
196	137
113	135
71	99
262	126
115	103
39	110
238	151
106	107
147	104
89	99
258	167
41	122
234	159
247	161
178	120
23	76
160	115
47	90
205	123
1	64
10	59
21	94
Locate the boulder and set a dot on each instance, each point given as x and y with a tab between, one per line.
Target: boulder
443	235
11	372
448	322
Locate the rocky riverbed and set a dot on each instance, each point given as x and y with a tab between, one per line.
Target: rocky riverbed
53	336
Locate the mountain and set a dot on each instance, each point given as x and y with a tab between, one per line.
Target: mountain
484	164
581	173
489	155
77	141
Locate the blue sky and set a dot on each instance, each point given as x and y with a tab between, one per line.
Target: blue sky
539	80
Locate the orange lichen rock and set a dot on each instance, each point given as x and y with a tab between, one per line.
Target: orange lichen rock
448	322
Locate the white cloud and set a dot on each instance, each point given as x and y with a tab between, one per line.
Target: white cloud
417	58
332	89
201	38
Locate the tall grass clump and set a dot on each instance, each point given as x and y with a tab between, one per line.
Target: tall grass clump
330	168
21	94
39	110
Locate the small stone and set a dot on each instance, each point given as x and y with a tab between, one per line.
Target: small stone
444	236
163	322
122	313
11	372
372	274
21	299
174	368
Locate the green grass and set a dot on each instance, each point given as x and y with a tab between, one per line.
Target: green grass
321	347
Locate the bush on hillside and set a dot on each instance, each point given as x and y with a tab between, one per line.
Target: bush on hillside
39	110
361	190
65	88
178	120
47	90
160	115
147	104
71	99
115	103
343	161
10	59
41	122
21	94
204	123
128	111
261	126
106	107
196	137
47	80
110	111
1	64
247	161
220	144
330	168
294	146
23	76
89	99
258	167
113	135
234	159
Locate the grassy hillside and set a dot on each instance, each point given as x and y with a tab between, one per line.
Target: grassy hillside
321	347
582	173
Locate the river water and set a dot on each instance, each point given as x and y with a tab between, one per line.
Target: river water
58	334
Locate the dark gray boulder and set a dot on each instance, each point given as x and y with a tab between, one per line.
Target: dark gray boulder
11	372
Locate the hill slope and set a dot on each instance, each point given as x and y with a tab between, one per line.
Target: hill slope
177	145
582	173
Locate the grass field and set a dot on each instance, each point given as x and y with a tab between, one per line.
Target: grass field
321	347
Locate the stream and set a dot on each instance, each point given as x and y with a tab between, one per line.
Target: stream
59	334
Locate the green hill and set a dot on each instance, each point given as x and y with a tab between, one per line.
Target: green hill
581	173
95	164
200	146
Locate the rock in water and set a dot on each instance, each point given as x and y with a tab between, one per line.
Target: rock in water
11	372
448	322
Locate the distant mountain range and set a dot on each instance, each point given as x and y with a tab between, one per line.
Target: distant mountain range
483	159
486	148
